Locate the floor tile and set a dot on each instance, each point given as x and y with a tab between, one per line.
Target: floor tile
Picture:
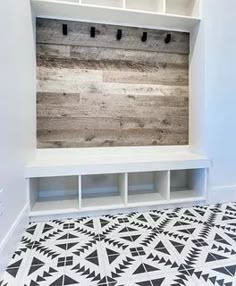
182	246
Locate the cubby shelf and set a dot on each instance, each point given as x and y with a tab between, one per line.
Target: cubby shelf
147	187
99	191
179	15
73	194
187	184
54	194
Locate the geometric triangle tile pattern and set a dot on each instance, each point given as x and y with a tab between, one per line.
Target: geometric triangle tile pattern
184	246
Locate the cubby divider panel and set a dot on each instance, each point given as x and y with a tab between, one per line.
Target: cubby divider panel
103	190
187	184
148	187
54	193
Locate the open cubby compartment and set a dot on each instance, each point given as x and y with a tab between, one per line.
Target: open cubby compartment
106	3
105	190
54	193
183	7
187	184
146	5
148	187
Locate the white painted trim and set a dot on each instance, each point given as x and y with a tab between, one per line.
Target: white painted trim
222	194
114	210
112	15
12	238
121	207
49	163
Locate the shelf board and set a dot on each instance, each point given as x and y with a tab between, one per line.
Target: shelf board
54	206
143	198
101	202
184	195
104	204
112	15
85	161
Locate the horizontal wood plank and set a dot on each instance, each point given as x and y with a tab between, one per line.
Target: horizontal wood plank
52	52
112	123
49	31
93	138
95	105
160	77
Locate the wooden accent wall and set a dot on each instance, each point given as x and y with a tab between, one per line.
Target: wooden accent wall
98	91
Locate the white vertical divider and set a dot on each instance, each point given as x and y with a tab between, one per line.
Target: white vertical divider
161	183
168	185
164	6
199	181
123	186
32	191
206	183
80	191
124	4
28	185
196	8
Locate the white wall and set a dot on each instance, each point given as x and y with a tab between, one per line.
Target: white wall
17	100
17	107
220	76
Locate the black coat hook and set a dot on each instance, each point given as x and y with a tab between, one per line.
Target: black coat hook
64	29
144	37
119	35
168	38
92	32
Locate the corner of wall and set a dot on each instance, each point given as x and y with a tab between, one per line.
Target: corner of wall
12	238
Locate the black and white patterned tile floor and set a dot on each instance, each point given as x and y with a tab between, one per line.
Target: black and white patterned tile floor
184	246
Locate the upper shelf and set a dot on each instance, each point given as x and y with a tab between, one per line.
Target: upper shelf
83	161
176	15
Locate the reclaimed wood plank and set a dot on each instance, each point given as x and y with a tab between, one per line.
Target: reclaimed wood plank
47	52
113	65
130	137
49	31
71	75
116	106
160	77
47	78
60	99
124	123
91	87
149	58
58	51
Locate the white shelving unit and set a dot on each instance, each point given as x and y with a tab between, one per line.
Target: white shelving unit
73	181
178	15
63	181
59	195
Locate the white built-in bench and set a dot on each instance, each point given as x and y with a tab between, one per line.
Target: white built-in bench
65	181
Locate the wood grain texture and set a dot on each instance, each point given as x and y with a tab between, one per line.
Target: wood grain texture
103	92
50	32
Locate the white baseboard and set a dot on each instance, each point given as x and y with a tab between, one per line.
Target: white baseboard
12	238
77	215
222	194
